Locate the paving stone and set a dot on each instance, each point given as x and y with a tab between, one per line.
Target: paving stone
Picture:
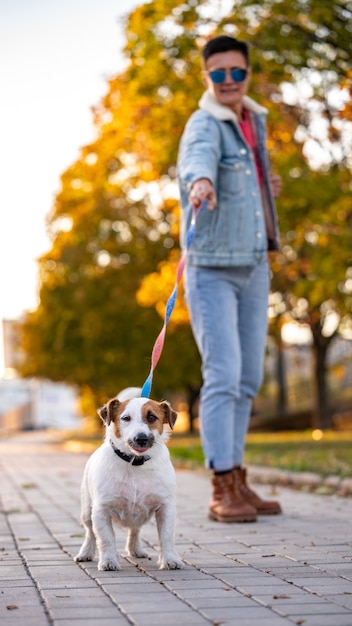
27	582
325	620
235	603
255	613
273	620
93	621
74	613
204	583
165	618
12	572
299	597
19	596
117	620
314	608
20	613
15	618
71	599
170	604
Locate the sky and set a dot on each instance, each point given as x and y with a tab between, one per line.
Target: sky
56	57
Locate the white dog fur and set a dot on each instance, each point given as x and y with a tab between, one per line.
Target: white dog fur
114	489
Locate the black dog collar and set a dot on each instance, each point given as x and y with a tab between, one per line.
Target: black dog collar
130	458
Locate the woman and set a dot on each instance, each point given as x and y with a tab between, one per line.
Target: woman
223	160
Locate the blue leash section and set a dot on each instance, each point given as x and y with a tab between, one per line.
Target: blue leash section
159	343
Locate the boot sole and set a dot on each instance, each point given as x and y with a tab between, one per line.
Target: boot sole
234	519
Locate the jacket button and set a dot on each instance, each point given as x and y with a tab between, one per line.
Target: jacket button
248	172
243	151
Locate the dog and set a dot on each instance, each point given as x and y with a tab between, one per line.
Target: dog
128	479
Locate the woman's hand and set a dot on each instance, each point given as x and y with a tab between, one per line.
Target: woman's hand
276	184
202	190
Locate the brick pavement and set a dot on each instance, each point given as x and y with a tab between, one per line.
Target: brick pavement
291	569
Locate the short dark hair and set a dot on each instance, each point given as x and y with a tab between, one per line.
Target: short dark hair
224	43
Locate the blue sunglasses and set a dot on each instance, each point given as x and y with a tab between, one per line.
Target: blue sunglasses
237	74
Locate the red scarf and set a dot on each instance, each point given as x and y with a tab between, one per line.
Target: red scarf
247	130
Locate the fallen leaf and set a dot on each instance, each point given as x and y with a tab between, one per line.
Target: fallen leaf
264	556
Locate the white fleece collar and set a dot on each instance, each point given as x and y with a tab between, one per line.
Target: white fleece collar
211	105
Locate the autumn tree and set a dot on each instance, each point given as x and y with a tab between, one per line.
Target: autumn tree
111	224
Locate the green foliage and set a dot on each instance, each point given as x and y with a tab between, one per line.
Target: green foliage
289	451
299	452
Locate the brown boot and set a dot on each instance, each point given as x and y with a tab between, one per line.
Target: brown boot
263	507
227	504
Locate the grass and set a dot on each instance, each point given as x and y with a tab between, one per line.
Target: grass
324	453
328	453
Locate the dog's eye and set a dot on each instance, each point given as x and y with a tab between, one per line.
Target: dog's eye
151	418
126	418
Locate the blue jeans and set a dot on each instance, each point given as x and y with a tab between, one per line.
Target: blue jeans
228	308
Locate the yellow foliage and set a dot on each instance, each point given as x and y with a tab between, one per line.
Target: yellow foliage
323	240
282	135
156	288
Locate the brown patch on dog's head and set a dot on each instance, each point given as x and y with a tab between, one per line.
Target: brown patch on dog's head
109	411
156	414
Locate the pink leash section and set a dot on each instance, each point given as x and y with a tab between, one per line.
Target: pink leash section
159	343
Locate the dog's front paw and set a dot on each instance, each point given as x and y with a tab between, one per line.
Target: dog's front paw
170	561
109	564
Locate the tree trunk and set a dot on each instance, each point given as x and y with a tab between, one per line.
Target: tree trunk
322	416
282	404
193	397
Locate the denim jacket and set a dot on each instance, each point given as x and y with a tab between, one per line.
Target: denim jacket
243	224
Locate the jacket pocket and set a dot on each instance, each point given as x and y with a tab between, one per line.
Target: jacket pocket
231	176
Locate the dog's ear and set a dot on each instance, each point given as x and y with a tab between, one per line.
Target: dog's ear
108	411
103	413
170	415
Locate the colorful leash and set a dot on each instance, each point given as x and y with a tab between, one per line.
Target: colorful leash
159	343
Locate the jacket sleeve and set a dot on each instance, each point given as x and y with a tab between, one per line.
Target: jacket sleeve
199	152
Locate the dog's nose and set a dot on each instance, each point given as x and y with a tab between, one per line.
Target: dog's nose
142	440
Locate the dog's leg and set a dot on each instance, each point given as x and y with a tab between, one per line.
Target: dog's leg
103	530
87	550
165	519
133	545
